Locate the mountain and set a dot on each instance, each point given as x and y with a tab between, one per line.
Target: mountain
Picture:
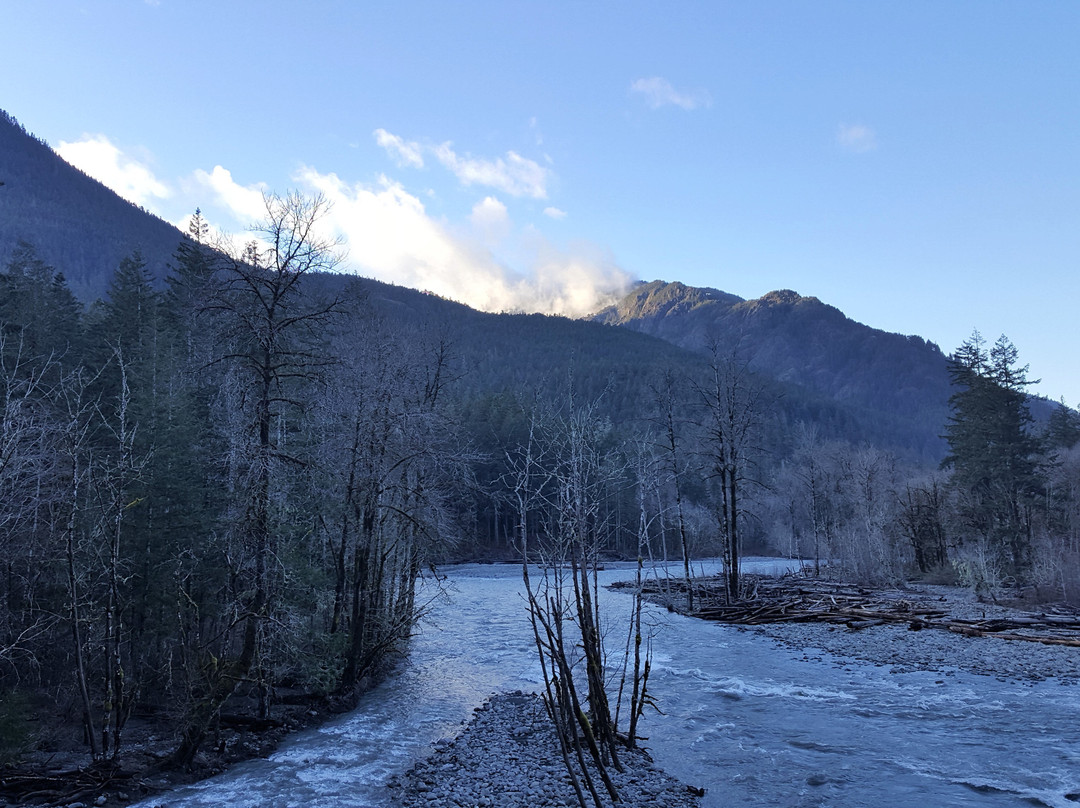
897	385
857	383
75	223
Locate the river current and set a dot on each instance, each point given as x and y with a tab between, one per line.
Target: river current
756	723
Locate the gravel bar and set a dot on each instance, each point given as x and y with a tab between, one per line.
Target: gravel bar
508	756
933	649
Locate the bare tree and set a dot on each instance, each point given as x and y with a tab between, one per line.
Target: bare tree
866	499
922	518
388	465
667	395
812	473
569	466
648	471
79	409
119	470
28	471
733	404
266	324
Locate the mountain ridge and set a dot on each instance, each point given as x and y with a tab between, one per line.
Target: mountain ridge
890	385
799	339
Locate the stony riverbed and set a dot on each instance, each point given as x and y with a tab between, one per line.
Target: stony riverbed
507	757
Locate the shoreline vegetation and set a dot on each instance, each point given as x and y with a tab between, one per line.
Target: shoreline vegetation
510	736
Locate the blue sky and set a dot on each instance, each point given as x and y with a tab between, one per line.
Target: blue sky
915	164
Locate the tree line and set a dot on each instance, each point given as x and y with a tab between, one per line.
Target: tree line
1000	514
214	493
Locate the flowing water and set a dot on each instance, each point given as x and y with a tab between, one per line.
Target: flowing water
756	723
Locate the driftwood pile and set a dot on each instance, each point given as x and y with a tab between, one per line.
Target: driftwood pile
797	599
64	787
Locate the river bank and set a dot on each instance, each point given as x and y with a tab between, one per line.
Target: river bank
904	650
917	627
57	772
507	756
760	716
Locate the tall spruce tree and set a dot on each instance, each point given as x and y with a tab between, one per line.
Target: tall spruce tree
1063	428
995	457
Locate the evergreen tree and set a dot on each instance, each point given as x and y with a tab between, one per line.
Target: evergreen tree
1063	429
996	460
132	308
39	314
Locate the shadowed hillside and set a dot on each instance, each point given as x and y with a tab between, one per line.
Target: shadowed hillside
75	223
899	382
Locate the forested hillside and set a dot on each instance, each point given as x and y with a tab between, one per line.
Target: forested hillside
73	221
857	383
897	385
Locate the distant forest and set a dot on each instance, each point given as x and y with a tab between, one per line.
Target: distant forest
223	487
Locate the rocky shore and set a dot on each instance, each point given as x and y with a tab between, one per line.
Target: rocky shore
507	757
934	650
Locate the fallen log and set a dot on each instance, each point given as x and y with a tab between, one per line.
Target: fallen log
61	787
856	625
791	599
971	631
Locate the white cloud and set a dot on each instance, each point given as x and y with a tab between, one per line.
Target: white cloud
554	213
490	220
658	93
514	175
404	152
245	202
577	281
390	235
130	178
856	137
489	211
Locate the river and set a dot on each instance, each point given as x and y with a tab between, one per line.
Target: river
756	723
